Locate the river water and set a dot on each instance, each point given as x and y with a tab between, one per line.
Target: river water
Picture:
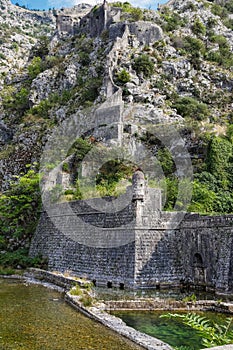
171	331
33	317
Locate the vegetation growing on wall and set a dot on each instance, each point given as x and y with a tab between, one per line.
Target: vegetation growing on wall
134	14
110	174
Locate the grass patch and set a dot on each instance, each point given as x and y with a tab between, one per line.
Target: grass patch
7	271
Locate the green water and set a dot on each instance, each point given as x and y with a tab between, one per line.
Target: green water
33	317
171	331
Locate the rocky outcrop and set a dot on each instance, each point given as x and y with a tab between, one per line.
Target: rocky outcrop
83	63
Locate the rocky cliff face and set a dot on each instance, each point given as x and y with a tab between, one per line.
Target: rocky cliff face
162	62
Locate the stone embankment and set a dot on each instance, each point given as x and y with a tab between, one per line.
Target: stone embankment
99	313
169	305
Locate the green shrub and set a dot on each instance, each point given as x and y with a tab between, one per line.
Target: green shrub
219	190
86	300
189	6
166	161
20	258
170	189
188	298
229	5
143	64
194	46
76	290
219	159
219	10
65	167
35	67
20	207
214	56
84	58
220	40
15	46
203	199
41	49
16	101
198	28
69	191
123	77
224	55
7	271
136	14
189	107
211	23
110	174
172	21
229	133
42	109
228	23
79	148
51	61
90	90
195	49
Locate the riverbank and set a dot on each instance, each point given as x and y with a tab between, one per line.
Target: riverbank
99	311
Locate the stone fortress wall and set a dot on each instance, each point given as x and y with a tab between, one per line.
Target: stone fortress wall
83	18
150	253
139	245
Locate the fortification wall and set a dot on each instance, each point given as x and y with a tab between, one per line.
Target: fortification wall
197	252
53	239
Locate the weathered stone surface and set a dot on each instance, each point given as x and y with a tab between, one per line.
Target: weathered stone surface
152	252
5	133
146	32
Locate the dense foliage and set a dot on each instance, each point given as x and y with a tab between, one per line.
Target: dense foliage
19	213
19	207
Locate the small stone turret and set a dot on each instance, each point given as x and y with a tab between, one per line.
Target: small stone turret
139	185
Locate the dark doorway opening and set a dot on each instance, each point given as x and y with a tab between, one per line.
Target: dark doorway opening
199	269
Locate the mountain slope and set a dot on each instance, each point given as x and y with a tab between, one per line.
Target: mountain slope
175	66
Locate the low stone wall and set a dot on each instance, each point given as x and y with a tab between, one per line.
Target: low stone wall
65	282
99	314
117	325
169	305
